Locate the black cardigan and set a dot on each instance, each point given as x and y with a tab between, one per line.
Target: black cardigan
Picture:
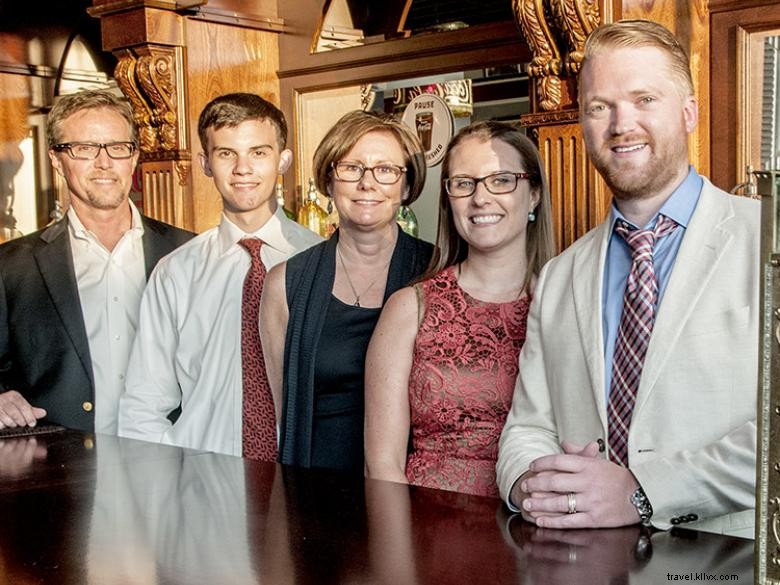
309	282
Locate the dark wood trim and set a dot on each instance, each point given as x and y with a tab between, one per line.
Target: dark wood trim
724	26
732	5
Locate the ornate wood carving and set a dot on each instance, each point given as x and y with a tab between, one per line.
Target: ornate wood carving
148	76
555	31
125	77
576	19
545	66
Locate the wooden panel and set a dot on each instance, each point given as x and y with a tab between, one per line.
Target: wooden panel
223	59
166	191
580	199
689	21
139	27
729	30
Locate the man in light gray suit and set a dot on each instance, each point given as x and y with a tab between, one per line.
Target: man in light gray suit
636	396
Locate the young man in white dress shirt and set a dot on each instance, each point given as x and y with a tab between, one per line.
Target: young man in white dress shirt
188	349
70	293
593	439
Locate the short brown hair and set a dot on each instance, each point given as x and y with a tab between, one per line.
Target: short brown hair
345	133
451	248
90	99
232	109
643	33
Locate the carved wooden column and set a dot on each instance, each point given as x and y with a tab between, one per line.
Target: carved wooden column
556	30
148	39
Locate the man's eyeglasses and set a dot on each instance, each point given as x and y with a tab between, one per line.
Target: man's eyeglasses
496	183
352	172
91	150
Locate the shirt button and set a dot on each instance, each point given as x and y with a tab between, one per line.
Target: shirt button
601	444
121	376
116	299
87	406
116	337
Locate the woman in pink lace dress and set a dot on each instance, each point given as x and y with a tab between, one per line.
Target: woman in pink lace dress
444	356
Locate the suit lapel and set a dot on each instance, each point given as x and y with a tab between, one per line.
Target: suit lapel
697	259
587	284
55	264
155	246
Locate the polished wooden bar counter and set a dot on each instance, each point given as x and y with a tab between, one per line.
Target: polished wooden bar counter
84	509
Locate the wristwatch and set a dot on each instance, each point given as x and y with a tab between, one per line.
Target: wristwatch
642	505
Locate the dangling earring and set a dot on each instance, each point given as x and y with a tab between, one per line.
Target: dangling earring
330	205
404	211
531	216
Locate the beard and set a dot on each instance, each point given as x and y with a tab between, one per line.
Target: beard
106	199
629	180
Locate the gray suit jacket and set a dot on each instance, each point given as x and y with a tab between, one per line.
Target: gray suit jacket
44	351
692	440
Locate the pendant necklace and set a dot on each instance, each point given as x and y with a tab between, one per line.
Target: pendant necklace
349	280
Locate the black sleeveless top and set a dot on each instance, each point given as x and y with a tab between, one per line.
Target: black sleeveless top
309	282
337	431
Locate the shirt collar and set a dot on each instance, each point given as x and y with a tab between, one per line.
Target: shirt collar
78	230
679	206
273	233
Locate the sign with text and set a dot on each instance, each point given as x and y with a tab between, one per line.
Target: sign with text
430	117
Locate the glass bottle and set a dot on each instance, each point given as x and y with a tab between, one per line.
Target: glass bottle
408	221
280	202
311	214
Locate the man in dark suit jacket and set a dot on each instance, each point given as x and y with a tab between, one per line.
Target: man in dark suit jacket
66	288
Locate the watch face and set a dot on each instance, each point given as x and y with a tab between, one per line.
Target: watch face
642	505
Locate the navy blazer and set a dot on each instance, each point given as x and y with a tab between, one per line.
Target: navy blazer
44	350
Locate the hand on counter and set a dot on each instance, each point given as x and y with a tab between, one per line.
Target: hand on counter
576	489
15	411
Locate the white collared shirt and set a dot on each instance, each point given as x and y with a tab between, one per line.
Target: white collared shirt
110	286
188	347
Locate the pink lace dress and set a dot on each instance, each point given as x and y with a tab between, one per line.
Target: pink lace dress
460	388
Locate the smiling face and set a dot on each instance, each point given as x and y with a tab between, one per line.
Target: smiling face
367	204
103	183
244	161
487	221
636	121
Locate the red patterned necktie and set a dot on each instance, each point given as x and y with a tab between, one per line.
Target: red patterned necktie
636	325
259	421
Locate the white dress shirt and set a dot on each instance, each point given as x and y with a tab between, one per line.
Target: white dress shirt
110	286
188	348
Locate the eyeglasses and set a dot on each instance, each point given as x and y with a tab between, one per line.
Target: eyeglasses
352	172
91	150
496	183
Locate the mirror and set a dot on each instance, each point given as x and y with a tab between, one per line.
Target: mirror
494	93
759	83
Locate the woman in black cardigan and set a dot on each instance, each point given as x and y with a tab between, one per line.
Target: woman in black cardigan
320	307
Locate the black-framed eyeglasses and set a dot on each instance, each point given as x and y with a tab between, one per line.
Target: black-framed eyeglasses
91	150
496	183
352	172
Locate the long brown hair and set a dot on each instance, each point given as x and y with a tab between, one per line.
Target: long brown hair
451	248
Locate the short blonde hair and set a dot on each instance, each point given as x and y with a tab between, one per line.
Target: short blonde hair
643	33
345	133
92	99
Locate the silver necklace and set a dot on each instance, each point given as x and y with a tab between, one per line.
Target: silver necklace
349	280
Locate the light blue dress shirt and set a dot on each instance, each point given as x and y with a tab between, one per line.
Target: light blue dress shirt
679	207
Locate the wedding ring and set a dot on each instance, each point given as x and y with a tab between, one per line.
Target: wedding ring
572	499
